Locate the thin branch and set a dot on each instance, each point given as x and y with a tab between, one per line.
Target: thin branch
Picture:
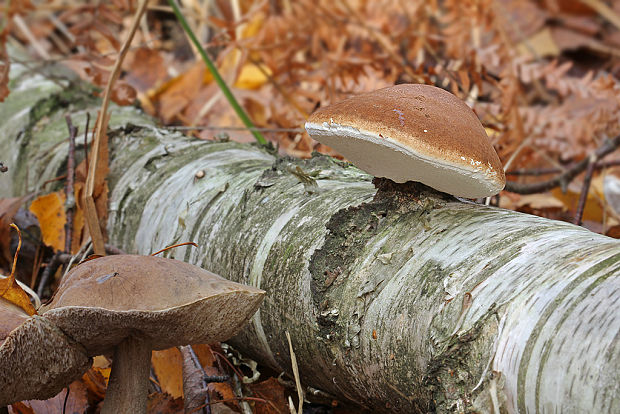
563	179
69	196
234	128
58	259
584	191
553	170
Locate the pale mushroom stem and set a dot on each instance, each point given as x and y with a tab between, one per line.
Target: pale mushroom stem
128	386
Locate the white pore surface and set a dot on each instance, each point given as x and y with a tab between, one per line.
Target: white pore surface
384	157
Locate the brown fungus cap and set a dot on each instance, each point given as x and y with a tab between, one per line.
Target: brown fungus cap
413	132
37	360
162	301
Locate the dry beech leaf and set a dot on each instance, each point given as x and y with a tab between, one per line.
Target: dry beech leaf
21	408
50	211
145	68
173	96
96	378
161	403
272	391
168	367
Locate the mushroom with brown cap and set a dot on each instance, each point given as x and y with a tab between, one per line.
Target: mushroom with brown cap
134	304
37	360
413	132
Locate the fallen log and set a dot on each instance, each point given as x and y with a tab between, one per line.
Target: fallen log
397	301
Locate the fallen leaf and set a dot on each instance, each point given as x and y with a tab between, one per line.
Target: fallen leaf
50	211
77	401
21	408
161	403
252	76
168	367
272	391
217	390
97	377
12	292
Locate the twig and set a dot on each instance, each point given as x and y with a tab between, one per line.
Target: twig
604	10
599	165
174	246
58	259
233	128
216	75
32	40
70	198
86	140
90	210
583	197
566	177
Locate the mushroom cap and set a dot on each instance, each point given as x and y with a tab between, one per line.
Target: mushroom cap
413	132
163	301
37	360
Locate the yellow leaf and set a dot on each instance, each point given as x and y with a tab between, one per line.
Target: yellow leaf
168	367
10	289
252	77
50	210
253	26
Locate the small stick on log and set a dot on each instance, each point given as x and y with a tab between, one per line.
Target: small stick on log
70	198
566	177
584	191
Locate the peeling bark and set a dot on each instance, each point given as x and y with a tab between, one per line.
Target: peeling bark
397	301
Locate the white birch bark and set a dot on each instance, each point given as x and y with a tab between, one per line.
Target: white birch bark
401	304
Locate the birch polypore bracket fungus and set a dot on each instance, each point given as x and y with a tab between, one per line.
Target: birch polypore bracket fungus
131	305
413	132
37	360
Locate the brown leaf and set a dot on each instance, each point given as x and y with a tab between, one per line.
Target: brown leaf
272	391
5	65
77	401
145	68
96	378
11	8
193	386
21	408
168	367
161	403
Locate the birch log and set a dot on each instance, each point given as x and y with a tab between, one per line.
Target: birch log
397	302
